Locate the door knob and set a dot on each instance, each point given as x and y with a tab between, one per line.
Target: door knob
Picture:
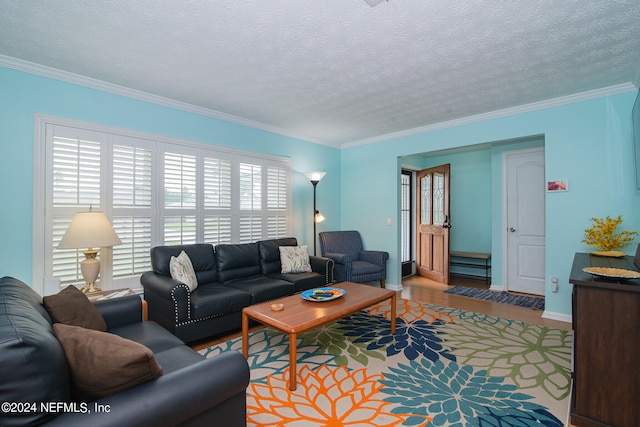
512	229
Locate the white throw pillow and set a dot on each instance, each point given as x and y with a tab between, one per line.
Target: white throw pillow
294	259
182	270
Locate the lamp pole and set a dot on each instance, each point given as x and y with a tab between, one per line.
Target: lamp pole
315	213
315	178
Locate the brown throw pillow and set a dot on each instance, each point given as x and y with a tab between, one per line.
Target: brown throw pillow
102	364
71	307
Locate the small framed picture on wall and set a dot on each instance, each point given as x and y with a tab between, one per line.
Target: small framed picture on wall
558	185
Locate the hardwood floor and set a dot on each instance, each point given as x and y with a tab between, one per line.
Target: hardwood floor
458	280
427	291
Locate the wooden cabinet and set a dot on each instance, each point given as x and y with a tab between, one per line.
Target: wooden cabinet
606	366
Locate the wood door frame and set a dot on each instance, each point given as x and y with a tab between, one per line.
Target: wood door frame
443	275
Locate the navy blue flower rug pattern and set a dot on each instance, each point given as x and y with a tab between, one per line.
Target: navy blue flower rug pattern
443	367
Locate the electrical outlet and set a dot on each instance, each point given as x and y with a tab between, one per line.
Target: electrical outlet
554	284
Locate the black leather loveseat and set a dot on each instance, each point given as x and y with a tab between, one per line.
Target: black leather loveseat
230	277
36	388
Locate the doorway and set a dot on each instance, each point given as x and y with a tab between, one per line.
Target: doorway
477	201
525	221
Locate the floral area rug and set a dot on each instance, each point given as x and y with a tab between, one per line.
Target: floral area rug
443	367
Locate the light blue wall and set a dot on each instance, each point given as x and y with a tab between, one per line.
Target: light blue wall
588	143
22	95
470	200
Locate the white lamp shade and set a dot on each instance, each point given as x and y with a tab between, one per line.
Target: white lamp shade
89	230
315	176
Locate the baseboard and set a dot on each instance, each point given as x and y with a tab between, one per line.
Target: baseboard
557	316
393	287
496	287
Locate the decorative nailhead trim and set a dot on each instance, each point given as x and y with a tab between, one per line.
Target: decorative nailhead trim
329	271
191	321
175	301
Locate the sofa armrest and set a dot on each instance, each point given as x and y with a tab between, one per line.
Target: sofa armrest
158	284
120	311
167	299
170	400
374	257
323	266
339	258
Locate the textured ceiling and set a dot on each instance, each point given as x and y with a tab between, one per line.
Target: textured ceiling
335	71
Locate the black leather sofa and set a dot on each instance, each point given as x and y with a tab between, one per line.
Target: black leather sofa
192	391
230	277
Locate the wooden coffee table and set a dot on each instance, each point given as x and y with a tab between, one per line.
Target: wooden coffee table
300	315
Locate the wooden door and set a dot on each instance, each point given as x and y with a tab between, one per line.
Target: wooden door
432	228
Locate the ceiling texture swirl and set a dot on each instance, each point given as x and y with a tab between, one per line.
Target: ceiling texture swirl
335	72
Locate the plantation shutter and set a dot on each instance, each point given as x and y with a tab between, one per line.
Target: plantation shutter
76	185
217	200
277	201
132	208
179	199
250	217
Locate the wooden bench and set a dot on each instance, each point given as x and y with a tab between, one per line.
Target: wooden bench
473	260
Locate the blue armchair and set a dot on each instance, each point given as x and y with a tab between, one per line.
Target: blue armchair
352	262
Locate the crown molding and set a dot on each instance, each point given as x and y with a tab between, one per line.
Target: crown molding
554	102
91	83
65	76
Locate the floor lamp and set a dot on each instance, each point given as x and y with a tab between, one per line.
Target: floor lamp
315	178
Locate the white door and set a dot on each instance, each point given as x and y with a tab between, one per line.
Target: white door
525	221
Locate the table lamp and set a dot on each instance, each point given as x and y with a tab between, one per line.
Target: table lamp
89	230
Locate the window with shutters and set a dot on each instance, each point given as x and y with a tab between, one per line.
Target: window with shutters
277	201
179	198
155	191
217	200
250	214
132	207
75	183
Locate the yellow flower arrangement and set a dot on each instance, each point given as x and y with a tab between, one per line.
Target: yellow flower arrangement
602	234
